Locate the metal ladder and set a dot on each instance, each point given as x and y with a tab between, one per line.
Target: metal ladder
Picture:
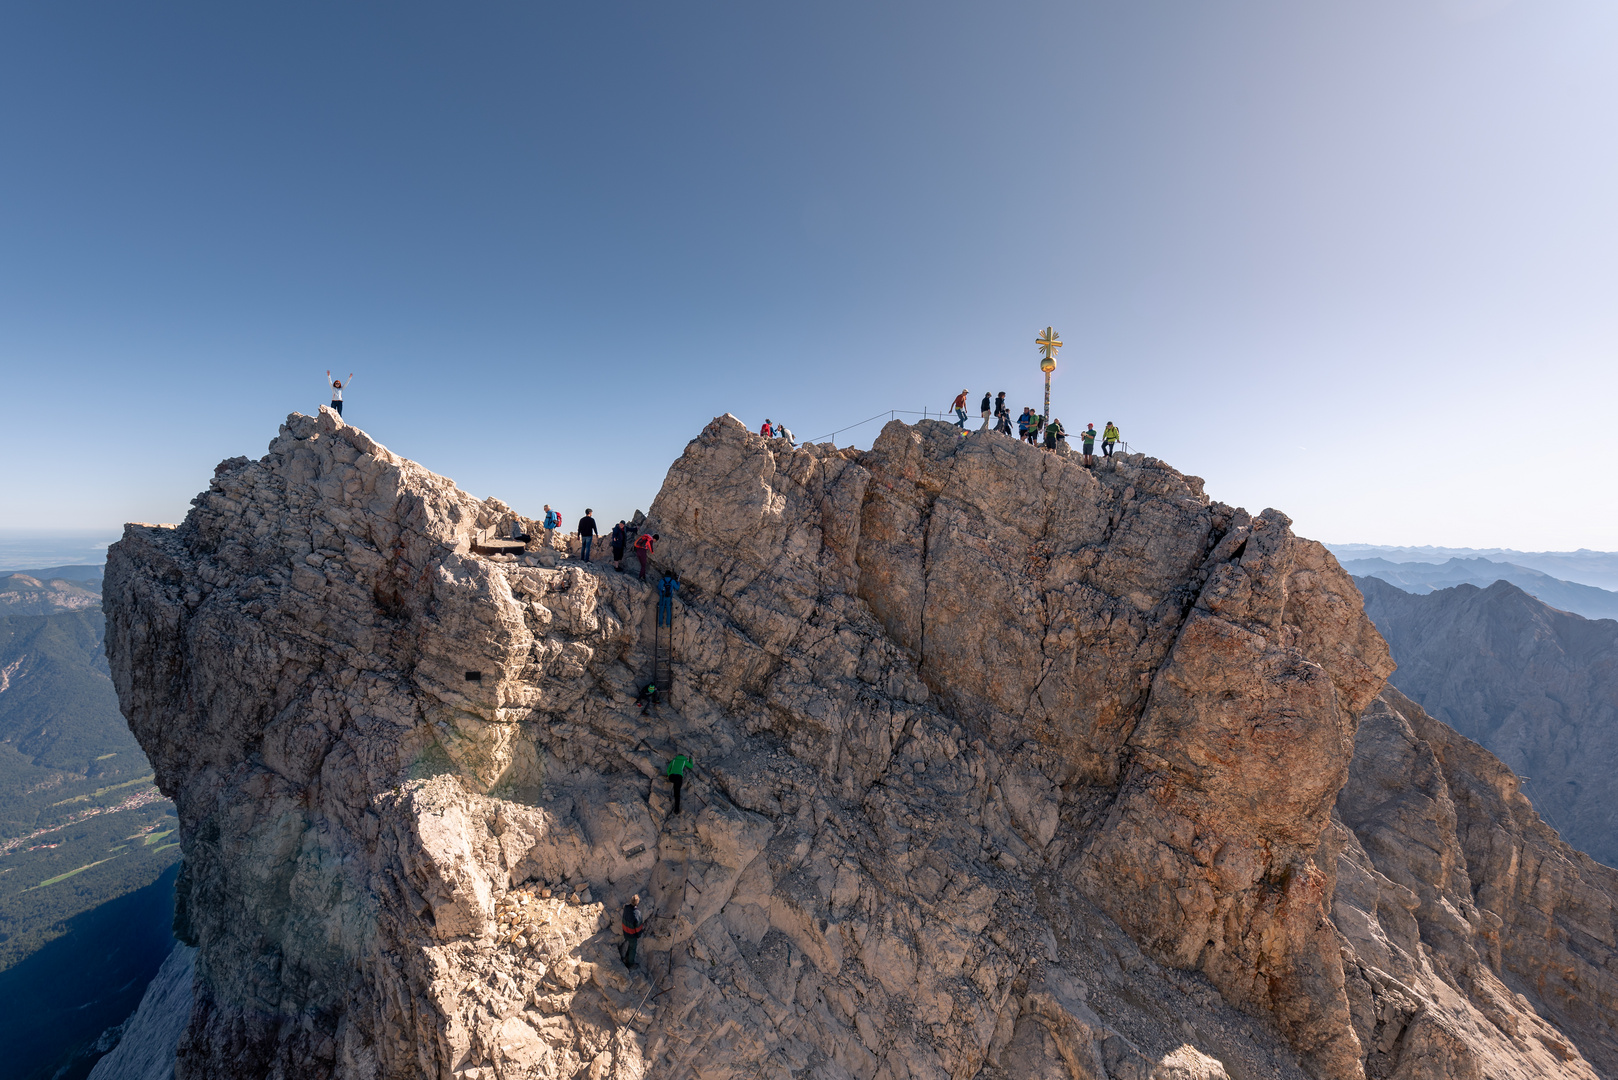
663	652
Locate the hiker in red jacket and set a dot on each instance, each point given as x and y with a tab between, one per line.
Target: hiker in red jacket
645	543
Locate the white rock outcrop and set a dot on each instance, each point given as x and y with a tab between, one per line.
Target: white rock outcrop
1005	768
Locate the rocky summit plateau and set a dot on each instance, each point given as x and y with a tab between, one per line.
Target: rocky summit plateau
1005	768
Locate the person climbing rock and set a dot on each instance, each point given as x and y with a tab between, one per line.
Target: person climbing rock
986	409
765	429
633	925
784	433
620	537
1089	437
1109	437
647	697
960	409
645	544
676	773
337	391
1053	435
551	521
666	589
587	534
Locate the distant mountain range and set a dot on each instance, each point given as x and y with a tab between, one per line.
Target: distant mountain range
1423	577
1586	567
1535	685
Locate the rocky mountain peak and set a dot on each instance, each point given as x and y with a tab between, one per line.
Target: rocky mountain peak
1003	767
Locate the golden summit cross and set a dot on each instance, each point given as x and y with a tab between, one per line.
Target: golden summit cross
1048	344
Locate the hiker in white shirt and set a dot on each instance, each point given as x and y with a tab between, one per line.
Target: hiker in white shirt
337	391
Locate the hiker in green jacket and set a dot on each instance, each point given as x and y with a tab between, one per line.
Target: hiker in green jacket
1054	433
676	776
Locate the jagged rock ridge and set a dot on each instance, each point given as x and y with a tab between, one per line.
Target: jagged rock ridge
1006	768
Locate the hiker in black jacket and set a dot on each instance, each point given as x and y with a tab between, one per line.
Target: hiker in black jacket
633	925
620	538
587	534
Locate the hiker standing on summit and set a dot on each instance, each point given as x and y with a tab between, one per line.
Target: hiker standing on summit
587	534
986	410
1089	437
1109	437
960	409
337	391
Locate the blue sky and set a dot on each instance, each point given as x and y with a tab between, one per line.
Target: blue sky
1354	260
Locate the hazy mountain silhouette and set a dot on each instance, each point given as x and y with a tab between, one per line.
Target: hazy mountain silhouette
1421	577
1535	685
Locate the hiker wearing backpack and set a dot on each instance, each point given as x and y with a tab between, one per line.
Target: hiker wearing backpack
765	429
1109	438
620	538
1022	424
552	520
632	924
1002	414
647	697
666	589
1053	435
645	544
960	409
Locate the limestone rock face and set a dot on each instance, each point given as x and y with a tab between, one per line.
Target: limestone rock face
1005	768
1537	686
1478	937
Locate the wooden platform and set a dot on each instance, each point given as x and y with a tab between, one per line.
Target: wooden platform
487	542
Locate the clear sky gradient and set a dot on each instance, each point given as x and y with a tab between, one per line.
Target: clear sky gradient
1356	260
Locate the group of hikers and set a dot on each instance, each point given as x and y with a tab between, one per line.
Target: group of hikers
624	536
1032	428
634	923
776	431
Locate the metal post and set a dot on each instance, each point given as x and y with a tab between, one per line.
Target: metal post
1048	343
